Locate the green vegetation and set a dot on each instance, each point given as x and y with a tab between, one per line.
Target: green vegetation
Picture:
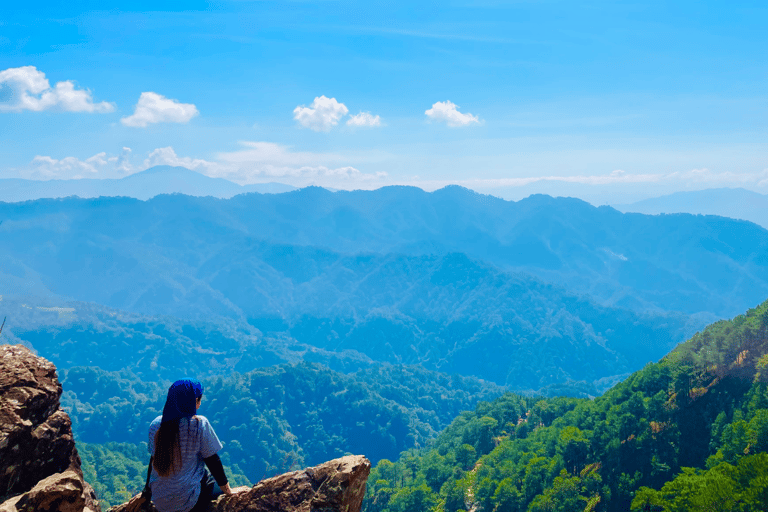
116	471
687	433
725	487
276	419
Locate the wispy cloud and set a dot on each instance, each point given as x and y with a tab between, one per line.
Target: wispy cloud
708	177
364	119
322	115
48	168
31	90
167	156
275	154
260	160
256	162
448	112
679	180
155	108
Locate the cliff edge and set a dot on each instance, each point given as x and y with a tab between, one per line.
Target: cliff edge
40	468
334	486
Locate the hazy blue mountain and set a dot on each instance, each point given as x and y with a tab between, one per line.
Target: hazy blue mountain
446	313
736	203
161	179
171	253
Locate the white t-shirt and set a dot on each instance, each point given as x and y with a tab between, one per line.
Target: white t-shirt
179	491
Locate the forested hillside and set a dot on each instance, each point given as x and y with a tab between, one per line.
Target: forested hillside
278	418
448	314
687	433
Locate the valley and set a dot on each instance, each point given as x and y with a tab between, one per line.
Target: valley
324	324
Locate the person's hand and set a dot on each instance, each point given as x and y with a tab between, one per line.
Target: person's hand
228	490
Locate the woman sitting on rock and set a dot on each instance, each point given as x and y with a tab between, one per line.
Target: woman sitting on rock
182	444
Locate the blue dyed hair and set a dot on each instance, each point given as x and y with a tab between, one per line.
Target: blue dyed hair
182	396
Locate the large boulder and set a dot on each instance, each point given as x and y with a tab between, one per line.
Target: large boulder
334	486
39	464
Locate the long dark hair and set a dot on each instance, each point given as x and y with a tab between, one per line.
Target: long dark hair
167	449
181	403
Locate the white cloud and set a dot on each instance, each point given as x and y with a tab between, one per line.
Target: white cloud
256	162
30	90
267	160
449	113
697	177
309	174
47	168
275	154
123	162
322	115
364	119
167	156
156	108
261	161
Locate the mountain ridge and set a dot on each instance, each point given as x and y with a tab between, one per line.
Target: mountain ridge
714	265
735	203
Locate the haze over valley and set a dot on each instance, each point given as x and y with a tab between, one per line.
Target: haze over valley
515	254
448	279
468	294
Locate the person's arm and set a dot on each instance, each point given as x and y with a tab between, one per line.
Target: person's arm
217	470
211	445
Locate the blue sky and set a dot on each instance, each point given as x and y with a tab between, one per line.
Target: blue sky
608	101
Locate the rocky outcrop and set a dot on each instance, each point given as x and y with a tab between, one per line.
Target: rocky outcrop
39	464
40	468
335	486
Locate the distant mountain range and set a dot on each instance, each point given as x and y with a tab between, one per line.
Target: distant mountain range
736	203
444	313
168	252
143	185
395	275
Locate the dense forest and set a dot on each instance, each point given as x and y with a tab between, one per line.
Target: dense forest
687	433
275	419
